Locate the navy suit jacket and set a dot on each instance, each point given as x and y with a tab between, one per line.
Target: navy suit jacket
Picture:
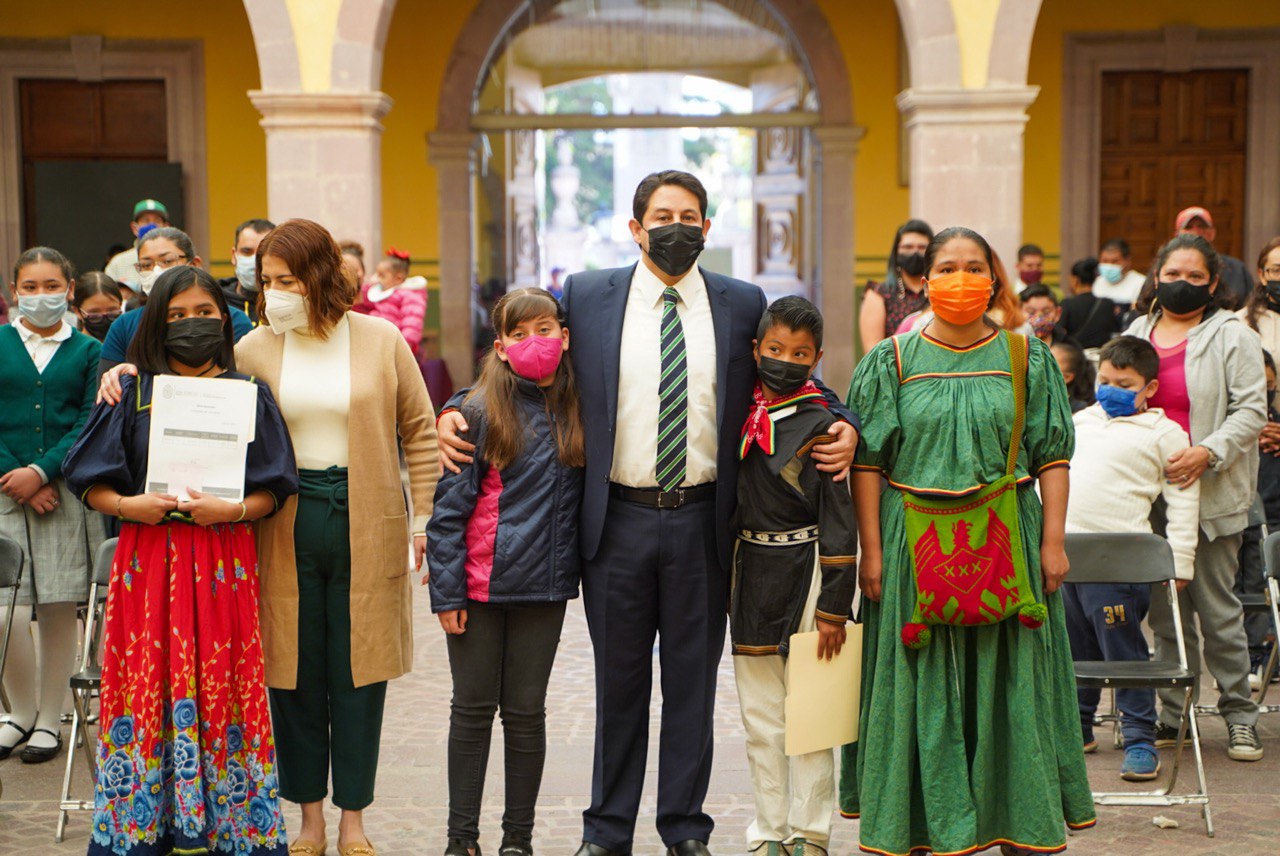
595	304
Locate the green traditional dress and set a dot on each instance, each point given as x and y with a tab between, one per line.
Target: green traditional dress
973	740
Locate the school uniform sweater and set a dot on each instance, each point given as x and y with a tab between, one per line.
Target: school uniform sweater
43	411
1117	473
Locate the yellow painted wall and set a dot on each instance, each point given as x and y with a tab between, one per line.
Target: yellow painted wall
236	148
1042	202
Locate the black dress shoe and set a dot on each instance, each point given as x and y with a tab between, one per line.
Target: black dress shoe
692	847
40	754
589	849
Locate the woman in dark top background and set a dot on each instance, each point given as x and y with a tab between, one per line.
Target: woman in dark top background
885	305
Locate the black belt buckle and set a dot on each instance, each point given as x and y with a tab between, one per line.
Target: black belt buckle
668	505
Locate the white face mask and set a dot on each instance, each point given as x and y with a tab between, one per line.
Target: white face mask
285	310
247	272
147	280
42	311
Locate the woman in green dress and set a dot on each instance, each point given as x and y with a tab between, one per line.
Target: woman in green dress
972	740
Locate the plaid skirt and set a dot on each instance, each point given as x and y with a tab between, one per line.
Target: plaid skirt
59	547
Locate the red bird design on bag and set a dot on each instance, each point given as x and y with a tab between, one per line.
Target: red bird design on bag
970	584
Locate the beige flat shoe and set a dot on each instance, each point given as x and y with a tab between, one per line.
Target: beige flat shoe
308	848
365	849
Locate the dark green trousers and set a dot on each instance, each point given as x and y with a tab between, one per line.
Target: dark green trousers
326	722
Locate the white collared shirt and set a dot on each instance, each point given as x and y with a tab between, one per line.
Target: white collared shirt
42	348
635	445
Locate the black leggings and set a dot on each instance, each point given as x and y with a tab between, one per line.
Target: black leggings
501	663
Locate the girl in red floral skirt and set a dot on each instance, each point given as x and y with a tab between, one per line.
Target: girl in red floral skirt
186	759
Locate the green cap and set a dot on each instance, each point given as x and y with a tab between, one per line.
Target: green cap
150	205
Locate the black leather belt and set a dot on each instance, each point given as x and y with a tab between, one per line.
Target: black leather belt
664	499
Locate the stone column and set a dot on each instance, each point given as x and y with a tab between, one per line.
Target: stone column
967	160
453	156
324	160
837	146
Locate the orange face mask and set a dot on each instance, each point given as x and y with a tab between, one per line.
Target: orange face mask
959	298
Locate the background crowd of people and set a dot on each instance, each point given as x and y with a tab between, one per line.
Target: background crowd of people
248	644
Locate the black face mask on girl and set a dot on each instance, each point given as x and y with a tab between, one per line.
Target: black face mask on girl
912	264
675	246
1273	291
96	324
1181	297
194	341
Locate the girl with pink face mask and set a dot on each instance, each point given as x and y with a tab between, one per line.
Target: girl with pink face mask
503	560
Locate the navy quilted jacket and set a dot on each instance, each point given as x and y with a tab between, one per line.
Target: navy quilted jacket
511	535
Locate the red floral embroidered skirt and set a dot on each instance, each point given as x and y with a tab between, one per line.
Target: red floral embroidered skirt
186	759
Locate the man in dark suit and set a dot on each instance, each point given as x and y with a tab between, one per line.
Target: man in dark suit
663	355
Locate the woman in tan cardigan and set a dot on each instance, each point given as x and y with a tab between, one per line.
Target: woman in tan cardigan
334	560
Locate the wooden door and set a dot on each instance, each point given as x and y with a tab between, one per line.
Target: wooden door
1170	141
66	120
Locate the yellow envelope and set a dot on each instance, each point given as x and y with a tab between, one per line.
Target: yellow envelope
823	696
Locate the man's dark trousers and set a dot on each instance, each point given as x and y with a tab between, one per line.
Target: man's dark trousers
656	572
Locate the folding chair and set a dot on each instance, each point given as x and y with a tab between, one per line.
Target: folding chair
12	560
84	684
1271	599
1138	559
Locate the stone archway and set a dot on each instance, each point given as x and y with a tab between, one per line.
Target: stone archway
451	149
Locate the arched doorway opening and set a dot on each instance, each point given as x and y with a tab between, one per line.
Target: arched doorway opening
801	118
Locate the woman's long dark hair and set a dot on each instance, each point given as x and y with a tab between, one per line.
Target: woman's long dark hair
147	350
912	227
1257	303
504	439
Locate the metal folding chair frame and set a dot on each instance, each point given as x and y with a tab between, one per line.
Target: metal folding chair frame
12	563
1270	603
83	683
1163	796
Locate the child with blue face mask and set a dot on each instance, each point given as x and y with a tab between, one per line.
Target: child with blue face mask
1117	475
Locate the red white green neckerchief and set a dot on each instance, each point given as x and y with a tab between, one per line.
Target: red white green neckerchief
759	427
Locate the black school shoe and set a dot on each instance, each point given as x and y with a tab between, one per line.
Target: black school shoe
40	754
6	751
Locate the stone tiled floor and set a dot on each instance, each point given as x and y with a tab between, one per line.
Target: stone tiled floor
408	818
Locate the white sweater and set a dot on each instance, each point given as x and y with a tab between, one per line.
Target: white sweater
1117	473
315	395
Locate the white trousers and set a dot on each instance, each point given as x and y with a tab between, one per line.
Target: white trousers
794	796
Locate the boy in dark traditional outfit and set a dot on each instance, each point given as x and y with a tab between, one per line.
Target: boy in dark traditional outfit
793	573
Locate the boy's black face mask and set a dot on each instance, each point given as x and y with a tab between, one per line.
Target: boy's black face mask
782	377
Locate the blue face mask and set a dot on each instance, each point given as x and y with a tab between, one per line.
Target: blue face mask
1116	401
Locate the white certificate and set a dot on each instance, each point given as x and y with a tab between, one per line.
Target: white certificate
200	434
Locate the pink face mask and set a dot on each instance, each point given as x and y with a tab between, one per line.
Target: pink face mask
536	358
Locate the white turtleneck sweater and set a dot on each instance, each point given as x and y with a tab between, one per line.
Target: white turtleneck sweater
1117	473
315	395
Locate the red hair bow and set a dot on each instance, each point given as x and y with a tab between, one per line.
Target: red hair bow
397	254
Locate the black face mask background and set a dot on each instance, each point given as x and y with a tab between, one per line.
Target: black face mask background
1181	297
675	246
912	264
194	341
98	325
782	377
1273	291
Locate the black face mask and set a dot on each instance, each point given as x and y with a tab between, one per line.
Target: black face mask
194	341
1181	297
97	324
912	264
1273	291
675	246
782	377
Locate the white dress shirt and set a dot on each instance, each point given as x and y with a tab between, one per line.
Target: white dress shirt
1124	291
635	445
42	348
315	395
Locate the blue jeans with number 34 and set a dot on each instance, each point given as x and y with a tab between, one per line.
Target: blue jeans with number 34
1104	622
